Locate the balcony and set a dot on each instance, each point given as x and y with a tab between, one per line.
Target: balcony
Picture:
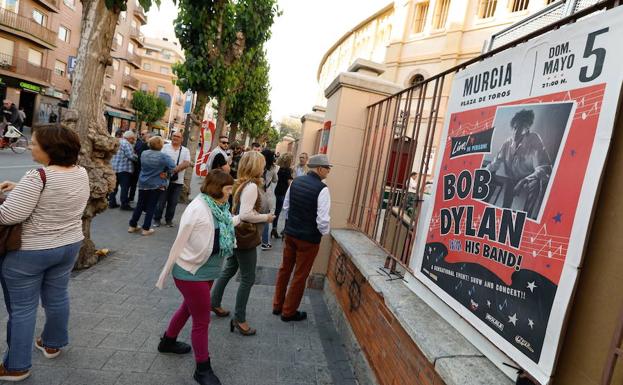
139	12
27	28
134	59
23	67
52	5
110	71
125	103
115	45
107	96
137	36
130	82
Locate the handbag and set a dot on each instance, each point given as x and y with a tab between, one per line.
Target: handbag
11	235
175	176
248	235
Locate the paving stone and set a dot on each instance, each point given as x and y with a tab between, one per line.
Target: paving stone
91	377
130	361
45	376
85	358
297	373
124	341
117	324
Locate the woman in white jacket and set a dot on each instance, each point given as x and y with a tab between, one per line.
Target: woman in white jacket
205	238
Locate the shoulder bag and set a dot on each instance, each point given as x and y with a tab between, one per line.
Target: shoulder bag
248	235
11	235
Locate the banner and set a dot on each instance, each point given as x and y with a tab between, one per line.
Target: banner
524	144
207	132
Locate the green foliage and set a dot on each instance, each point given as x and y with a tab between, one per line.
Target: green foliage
290	126
217	37
149	108
272	137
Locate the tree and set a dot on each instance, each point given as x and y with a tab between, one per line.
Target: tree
99	19
290	126
251	103
149	108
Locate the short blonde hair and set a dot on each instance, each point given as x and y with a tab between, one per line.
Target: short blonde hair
156	143
285	160
251	167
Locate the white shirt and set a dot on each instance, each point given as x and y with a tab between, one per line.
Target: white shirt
213	153
323	219
192	246
412	185
173	154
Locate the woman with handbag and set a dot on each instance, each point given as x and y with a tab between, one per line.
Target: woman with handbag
152	182
206	236
247	204
270	182
48	203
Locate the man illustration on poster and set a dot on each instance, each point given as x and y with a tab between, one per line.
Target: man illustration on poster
527	165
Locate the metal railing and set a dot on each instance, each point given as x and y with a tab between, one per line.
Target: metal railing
140	13
134	59
52	5
125	103
400	137
137	36
130	82
107	96
21	66
23	24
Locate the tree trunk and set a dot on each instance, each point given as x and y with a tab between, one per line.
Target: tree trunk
98	147
243	141
220	122
233	131
193	140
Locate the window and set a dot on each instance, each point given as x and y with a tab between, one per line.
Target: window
34	57
147	66
518	5
39	17
6	51
119	38
164	70
166	55
144	87
124	94
123	15
486	8
133	23
63	34
115	64
149	52
60	68
419	16
130	48
417	78
126	70
161	90
10	5
113	89
548	2
70	3
441	14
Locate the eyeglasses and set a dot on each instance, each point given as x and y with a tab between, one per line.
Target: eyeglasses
326	167
224	142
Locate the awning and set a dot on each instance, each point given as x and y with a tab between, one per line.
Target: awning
119	114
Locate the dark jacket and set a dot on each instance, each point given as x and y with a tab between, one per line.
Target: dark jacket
303	209
284	176
12	115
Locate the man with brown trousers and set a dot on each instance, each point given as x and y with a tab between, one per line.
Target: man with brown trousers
306	209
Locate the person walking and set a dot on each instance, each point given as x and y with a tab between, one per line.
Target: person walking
205	238
306	209
284	178
223	145
301	168
11	114
235	159
270	182
123	165
140	146
152	182
171	196
247	203
49	203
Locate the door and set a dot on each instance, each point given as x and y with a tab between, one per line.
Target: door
27	102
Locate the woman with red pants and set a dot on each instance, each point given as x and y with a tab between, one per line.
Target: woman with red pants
195	261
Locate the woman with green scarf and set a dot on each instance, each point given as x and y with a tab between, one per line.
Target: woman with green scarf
205	238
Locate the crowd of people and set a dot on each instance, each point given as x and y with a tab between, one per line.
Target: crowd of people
237	211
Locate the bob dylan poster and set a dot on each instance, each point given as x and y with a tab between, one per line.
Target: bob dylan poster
507	193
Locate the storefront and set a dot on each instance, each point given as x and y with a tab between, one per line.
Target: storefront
118	120
24	94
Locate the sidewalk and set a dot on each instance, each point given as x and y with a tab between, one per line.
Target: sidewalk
117	317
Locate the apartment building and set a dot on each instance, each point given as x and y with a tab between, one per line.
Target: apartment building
38	48
156	76
120	81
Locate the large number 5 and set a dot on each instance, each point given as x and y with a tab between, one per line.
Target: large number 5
600	56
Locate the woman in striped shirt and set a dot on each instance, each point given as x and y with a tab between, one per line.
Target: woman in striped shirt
49	203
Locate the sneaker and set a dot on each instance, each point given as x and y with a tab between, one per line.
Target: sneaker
47	352
13	375
132	229
169	224
298	316
266	246
156	224
148	232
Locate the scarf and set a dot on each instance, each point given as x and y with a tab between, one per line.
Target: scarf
227	236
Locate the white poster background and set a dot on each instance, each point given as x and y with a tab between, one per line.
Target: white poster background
528	60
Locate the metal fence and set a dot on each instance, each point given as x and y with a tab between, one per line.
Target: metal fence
401	137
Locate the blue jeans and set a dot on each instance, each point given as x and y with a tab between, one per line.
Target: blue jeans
27	275
147	201
169	198
124	179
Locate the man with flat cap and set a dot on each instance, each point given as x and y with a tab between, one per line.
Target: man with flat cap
306	210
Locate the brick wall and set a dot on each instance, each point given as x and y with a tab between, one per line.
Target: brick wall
390	352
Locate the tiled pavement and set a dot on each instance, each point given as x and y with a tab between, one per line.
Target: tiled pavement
117	316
